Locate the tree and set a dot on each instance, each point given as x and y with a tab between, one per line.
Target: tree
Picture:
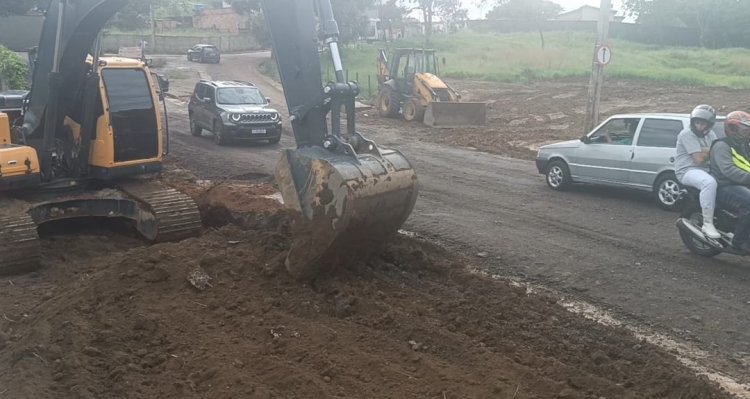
719	22
259	29
348	14
431	8
13	71
16	7
534	11
391	14
248	7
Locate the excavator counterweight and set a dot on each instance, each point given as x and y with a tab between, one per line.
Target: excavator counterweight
350	194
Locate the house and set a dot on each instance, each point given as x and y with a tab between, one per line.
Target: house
586	13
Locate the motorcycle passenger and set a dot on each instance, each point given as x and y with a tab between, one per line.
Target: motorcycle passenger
691	162
730	164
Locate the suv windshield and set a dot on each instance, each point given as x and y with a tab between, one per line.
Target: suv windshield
239	95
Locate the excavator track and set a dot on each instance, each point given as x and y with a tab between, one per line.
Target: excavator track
19	245
176	214
160	213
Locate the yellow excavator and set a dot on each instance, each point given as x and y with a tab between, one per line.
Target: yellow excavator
350	193
85	141
408	82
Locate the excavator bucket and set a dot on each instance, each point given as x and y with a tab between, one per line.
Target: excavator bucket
346	204
448	114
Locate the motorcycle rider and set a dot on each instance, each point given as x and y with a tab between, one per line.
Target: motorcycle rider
730	164
691	162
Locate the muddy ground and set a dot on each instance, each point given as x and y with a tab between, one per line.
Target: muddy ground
111	316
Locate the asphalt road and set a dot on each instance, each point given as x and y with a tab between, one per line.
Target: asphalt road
610	248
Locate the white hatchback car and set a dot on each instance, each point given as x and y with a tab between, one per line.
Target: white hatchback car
630	150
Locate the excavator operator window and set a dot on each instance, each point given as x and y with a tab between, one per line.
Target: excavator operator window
131	113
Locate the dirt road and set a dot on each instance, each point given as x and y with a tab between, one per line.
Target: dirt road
109	316
610	248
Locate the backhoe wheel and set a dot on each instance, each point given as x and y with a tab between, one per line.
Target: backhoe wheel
219	138
195	130
388	102
413	110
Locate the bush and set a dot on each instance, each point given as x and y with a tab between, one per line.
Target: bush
13	70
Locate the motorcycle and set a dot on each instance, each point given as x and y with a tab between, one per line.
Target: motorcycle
691	220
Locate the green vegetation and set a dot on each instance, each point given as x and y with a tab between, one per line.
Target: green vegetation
13	71
518	57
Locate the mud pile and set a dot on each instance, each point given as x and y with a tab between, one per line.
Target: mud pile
110	317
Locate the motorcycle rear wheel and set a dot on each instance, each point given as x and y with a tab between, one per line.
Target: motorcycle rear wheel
695	245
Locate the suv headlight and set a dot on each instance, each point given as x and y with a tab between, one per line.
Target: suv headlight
275	116
235	117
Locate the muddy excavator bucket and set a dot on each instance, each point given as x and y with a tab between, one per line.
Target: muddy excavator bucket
346	204
448	114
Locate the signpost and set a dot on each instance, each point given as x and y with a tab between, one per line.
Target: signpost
602	57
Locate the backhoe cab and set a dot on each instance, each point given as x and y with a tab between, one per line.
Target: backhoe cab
408	82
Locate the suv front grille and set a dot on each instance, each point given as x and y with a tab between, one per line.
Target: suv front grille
264	117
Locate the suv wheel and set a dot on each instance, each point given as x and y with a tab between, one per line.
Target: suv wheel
218	136
195	130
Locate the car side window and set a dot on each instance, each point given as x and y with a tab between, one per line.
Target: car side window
619	131
659	133
210	93
199	91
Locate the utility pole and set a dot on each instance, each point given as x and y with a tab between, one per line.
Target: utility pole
152	47
600	59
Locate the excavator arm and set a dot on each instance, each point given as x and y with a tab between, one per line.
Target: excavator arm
350	194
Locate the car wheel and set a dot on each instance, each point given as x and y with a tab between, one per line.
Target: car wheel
219	138
195	130
275	140
558	175
667	191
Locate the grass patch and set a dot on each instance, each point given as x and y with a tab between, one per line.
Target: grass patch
519	57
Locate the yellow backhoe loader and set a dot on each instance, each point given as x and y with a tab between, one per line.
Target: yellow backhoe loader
85	141
408	82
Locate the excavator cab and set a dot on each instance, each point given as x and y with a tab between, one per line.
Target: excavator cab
350	194
90	136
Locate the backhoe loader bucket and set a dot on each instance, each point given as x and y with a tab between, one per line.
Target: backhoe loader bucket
446	114
347	203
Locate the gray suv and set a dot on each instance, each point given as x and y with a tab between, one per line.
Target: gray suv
632	150
233	111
